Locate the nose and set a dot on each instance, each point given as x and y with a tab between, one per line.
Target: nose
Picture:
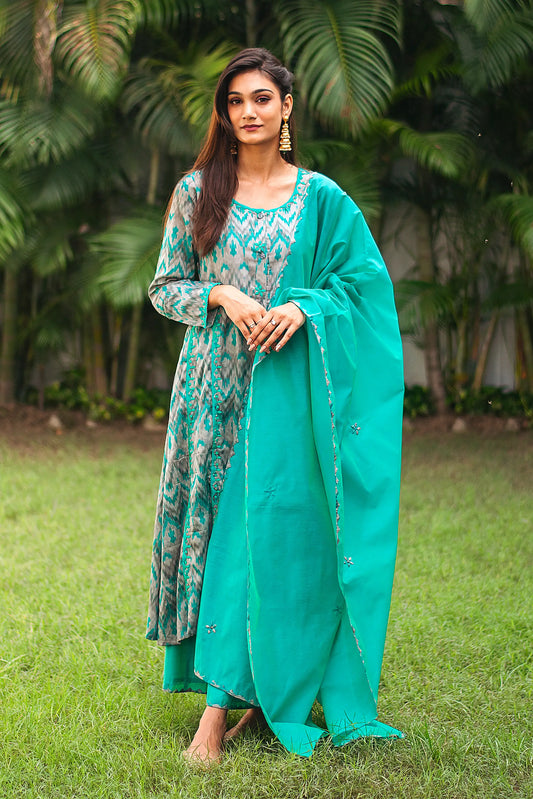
248	110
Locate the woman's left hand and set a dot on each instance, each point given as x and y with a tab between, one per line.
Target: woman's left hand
276	328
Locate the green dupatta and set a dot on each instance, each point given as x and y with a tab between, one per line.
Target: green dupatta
309	510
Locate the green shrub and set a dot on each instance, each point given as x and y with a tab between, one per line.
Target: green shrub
417	402
489	400
493	401
70	393
104	409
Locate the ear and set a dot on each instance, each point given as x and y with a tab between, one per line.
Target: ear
286	106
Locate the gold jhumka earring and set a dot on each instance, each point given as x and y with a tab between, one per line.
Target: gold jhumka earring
233	148
285	145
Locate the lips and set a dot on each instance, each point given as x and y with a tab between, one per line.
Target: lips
251	127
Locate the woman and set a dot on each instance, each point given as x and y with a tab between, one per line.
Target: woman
276	524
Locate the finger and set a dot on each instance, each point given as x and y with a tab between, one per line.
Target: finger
243	327
277	332
251	326
282	341
257	335
268	325
257	331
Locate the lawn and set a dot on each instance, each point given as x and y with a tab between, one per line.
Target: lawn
81	709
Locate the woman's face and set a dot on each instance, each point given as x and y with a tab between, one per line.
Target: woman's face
256	109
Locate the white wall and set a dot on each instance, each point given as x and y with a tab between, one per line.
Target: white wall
398	246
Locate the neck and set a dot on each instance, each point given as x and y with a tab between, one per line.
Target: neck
260	164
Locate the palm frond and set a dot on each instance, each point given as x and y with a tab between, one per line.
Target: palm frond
165	13
73	180
319	153
16	45
510	296
362	185
420	303
12	215
199	77
127	253
168	99
51	332
484	15
502	39
157	117
430	68
342	67
48	246
358	173
518	212
93	44
446	153
41	132
84	282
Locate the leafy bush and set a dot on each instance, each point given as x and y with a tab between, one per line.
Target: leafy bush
494	401
105	409
71	393
490	400
143	402
417	402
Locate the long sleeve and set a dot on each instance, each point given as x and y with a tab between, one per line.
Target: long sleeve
176	291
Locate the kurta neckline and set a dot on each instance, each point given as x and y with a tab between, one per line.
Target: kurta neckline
278	207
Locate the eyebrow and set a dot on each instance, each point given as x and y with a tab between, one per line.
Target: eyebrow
255	91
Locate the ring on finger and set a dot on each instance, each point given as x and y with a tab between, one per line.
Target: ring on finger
252	325
273	322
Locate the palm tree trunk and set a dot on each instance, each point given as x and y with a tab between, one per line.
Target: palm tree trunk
133	351
115	325
153	178
527	347
96	377
434	376
46	17
481	364
136	316
251	23
9	337
460	376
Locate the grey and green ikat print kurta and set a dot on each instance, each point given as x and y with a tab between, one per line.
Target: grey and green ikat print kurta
210	386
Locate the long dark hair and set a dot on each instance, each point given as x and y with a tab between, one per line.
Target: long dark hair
218	165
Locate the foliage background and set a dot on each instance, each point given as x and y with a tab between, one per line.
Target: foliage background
424	106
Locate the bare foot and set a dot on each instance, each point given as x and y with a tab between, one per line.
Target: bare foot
253	719
207	744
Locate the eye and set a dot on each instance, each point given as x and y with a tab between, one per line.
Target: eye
264	99
234	101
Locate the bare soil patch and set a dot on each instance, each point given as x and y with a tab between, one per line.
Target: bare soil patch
481	425
24	428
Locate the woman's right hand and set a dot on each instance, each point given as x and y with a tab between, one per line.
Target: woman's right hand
244	311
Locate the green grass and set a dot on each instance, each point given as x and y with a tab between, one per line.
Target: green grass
81	710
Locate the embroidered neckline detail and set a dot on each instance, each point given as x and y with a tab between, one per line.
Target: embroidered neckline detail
291	199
